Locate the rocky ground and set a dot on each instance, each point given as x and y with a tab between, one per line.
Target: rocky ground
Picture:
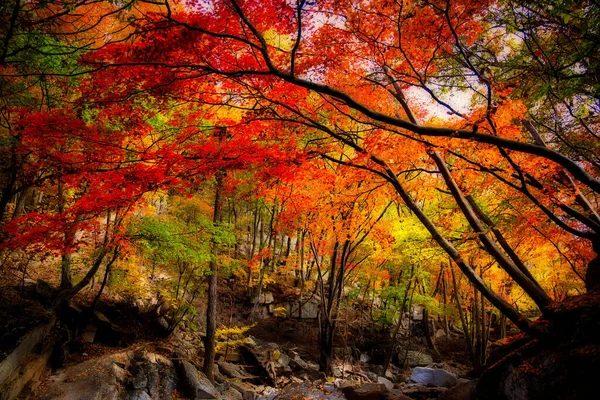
262	370
119	352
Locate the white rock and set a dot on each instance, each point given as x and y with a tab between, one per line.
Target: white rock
389	385
433	377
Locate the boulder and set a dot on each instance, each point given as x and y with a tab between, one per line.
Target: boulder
231	394
195	384
388	384
310	309
233	371
364	358
433	377
366	391
414	358
139	395
245	389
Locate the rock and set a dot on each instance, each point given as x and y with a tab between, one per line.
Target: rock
168	377
233	355
414	359
267	298
283	360
120	375
153	378
223	387
28	362
139	379
440	334
139	395
195	384
163	324
396	394
364	358
433	377
89	333
232	370
464	390
92	379
329	387
388	384
310	309
231	394
247	390
421	391
372	376
417	313
367	391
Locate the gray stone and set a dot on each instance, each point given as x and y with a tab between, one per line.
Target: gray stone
388	384
283	360
231	394
139	395
139	379
247	390
232	370
28	362
168	378
372	376
364	358
310	309
433	377
196	385
329	387
119	374
415	358
151	372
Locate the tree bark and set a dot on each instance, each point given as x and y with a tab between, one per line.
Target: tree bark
211	310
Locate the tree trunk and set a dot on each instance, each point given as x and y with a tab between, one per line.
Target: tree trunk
516	317
461	314
211	310
429	335
530	287
390	354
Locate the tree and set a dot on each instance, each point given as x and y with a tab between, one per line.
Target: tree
372	42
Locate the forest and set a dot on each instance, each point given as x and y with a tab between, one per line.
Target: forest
323	199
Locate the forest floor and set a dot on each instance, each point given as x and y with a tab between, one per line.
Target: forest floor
280	360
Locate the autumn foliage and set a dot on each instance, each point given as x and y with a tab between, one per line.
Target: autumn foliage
370	147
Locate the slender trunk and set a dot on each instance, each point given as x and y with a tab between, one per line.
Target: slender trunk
8	189
67	294
429	334
211	310
461	314
300	250
477	328
445	296
22	201
391	351
105	279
